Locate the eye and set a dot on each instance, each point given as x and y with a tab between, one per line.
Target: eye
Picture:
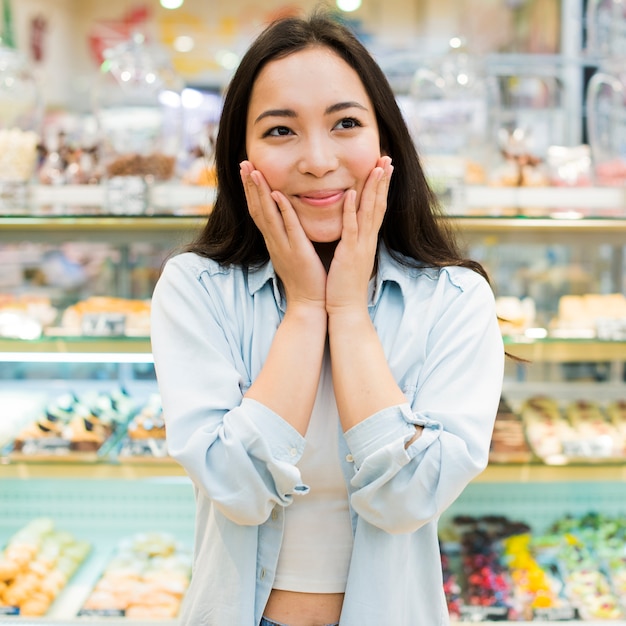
347	123
277	131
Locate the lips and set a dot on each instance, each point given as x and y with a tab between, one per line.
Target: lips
322	198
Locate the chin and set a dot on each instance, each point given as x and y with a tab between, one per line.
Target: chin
329	239
323	235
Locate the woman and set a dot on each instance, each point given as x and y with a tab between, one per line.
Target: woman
330	366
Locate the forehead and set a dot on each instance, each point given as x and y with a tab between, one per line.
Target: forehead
314	71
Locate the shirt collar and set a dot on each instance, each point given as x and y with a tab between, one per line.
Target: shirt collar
389	269
258	276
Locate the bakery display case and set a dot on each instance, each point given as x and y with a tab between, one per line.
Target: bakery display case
82	459
538	244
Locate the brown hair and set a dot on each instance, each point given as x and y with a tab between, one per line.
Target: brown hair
412	229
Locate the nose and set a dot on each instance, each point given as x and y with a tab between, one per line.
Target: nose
319	156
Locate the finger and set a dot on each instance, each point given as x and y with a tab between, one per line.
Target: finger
350	227
382	190
250	190
290	220
262	206
268	205
381	181
369	195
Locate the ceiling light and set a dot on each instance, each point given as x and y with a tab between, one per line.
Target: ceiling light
172	4
348	5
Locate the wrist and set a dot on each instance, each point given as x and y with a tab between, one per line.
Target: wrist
309	313
348	317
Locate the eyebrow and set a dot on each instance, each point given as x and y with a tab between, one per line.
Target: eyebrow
333	108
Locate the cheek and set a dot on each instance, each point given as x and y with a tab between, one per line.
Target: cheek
366	154
362	162
272	165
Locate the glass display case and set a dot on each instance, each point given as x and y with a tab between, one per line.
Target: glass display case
547	244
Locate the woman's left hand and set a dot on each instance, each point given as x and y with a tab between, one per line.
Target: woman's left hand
353	261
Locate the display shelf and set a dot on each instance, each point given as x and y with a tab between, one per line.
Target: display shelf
582	201
574	203
537	225
102	470
73	348
95	348
119	229
565	350
138	470
539	472
165	194
80	223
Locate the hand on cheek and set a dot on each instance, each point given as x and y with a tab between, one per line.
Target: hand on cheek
293	255
355	255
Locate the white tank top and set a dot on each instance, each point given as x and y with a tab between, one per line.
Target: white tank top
317	542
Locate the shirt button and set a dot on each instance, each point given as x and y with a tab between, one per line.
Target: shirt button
349	458
262	574
293	452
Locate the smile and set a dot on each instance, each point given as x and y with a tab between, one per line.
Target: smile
322	198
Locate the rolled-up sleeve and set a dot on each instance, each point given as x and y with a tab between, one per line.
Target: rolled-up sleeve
238	452
455	399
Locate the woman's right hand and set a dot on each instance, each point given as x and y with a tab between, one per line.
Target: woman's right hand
294	258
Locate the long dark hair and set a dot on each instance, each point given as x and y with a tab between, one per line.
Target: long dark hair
412	229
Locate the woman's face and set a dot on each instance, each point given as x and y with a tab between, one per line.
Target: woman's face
312	132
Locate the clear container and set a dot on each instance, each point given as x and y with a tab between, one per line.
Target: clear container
605	21
21	110
606	122
529	119
447	113
137	103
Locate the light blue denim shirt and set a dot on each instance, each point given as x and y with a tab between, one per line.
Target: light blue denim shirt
212	328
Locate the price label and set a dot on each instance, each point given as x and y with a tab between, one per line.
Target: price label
146	447
471	613
9	610
46	444
556	614
101	613
103	324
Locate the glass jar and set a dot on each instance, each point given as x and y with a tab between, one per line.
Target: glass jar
606	28
20	119
447	113
137	103
606	122
529	119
